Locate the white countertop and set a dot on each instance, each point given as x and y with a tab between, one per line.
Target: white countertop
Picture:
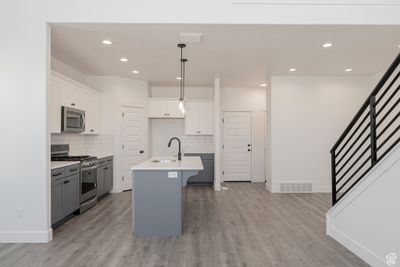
102	156
61	164
99	156
187	163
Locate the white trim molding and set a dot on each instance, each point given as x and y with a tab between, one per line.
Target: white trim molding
369	204
26	236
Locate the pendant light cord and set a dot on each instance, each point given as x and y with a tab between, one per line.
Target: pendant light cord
182	77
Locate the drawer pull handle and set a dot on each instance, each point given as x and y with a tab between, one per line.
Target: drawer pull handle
73	170
66	182
106	168
57	174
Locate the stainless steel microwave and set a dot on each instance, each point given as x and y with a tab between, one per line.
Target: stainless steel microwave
72	120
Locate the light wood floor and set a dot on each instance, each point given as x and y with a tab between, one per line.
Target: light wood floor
244	226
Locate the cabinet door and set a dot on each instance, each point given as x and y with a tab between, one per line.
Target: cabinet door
54	106
157	109
108	178
191	125
56	202
205	118
100	181
91	106
173	110
70	95
70	194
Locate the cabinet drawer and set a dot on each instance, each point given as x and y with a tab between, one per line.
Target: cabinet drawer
105	161
71	170
57	173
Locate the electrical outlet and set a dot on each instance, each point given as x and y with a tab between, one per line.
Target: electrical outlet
172	174
20	212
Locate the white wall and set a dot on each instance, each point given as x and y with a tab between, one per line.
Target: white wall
367	219
191	92
307	117
70	72
24	69
253	100
243	99
267	149
117	92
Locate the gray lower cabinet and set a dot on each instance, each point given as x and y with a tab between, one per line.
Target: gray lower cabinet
104	176
206	176
65	194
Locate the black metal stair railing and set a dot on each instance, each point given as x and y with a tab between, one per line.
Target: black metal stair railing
371	134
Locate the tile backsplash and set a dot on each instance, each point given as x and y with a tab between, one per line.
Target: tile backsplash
197	144
86	144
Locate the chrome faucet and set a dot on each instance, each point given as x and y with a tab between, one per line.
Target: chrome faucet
179	141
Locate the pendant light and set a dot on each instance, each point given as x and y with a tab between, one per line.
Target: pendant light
182	80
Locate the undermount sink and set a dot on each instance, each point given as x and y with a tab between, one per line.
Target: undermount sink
164	160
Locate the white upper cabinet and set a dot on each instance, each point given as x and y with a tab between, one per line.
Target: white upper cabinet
54	106
173	110
164	108
199	118
90	104
71	95
66	92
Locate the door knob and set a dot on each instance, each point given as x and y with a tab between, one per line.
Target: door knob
249	149
141	151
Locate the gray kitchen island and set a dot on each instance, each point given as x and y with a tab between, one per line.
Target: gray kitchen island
159	194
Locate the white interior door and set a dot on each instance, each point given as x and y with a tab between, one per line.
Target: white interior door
133	142
237	146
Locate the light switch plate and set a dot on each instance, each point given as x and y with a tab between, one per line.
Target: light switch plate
172	174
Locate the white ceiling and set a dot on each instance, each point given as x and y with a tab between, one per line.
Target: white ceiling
241	55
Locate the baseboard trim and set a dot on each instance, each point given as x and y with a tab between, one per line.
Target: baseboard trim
321	189
355	247
268	187
217	187
26	236
315	189
116	189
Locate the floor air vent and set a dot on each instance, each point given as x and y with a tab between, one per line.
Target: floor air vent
305	187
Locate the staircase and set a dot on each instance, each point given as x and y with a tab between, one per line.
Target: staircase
371	134
365	162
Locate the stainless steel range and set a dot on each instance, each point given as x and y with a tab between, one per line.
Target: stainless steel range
89	164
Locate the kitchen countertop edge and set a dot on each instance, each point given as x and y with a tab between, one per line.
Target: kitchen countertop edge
186	164
62	164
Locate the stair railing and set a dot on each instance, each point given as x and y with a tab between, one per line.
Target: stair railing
371	134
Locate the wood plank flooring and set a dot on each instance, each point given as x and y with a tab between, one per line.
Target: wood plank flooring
244	226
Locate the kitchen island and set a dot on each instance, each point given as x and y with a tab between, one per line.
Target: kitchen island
159	194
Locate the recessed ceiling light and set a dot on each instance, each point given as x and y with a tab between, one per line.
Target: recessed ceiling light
107	42
135	71
123	59
292	69
178	78
348	70
327	45
263	85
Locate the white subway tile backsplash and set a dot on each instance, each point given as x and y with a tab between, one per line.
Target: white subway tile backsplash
77	142
197	144
80	144
100	144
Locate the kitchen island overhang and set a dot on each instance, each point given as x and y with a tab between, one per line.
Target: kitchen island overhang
159	194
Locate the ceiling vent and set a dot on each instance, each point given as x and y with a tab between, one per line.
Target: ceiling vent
188	37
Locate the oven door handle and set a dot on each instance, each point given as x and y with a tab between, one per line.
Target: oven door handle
83	120
89	169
